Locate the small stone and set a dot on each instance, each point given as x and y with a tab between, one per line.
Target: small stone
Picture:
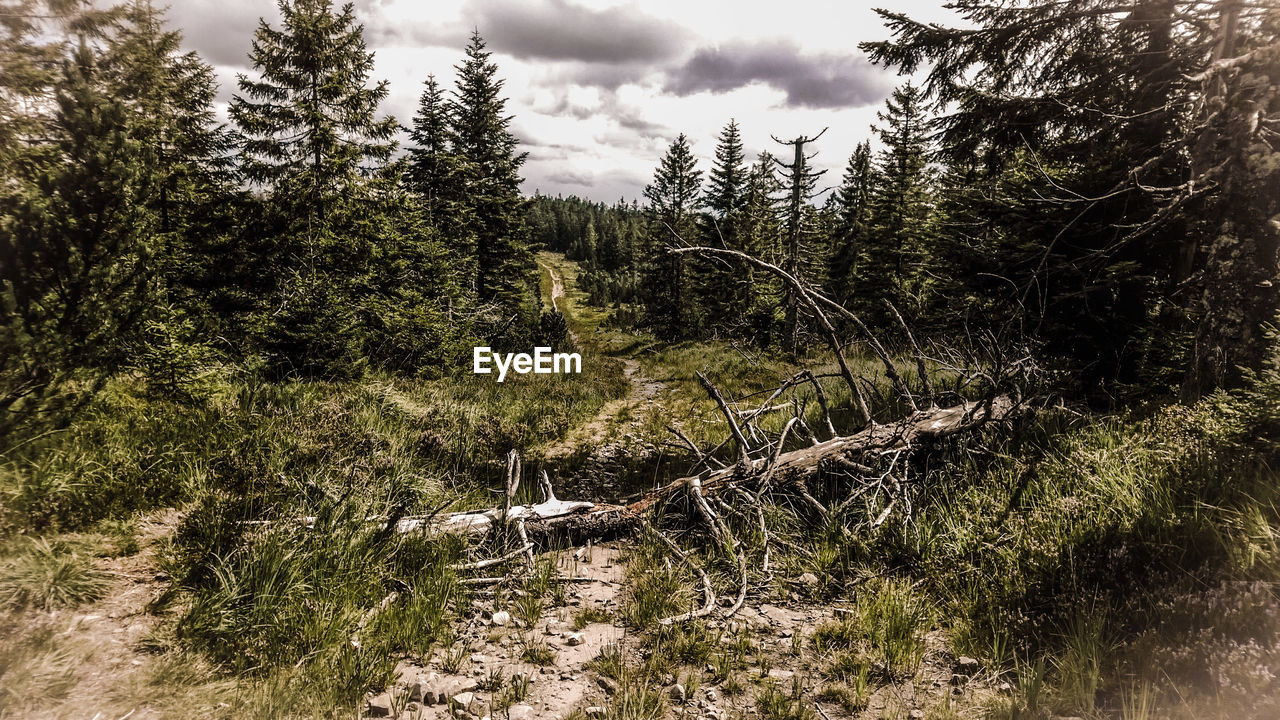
1004	687
463	699
502	617
808	579
916	714
596	711
520	712
574	639
608	685
677	692
378	707
779	674
712	696
967	665
415	692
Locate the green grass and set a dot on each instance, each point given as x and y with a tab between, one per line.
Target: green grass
46	576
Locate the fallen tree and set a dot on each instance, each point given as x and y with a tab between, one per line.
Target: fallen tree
871	465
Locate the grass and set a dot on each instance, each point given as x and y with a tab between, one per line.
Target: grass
888	624
535	650
589	614
775	703
656	588
48	575
35	667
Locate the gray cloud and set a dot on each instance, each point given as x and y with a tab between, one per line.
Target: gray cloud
813	81
573	177
221	32
560	30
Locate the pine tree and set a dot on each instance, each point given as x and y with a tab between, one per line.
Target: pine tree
481	137
723	292
672	197
76	248
801	233
308	122
1100	237
900	209
438	176
849	231
762	237
312	139
170	96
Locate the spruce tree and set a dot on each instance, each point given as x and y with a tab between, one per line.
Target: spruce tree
900	210
170	96
437	174
313	140
761	235
802	234
76	248
482	139
309	121
1102	124
723	293
851	206
672	197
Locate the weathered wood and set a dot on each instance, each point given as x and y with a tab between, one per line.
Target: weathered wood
569	522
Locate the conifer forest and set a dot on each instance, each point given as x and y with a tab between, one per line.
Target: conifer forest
350	366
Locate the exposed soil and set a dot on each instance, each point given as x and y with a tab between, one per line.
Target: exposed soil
779	632
107	639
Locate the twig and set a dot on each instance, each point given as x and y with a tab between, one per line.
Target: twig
482	564
925	385
822	401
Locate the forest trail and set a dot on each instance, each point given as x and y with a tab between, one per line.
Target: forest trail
616	418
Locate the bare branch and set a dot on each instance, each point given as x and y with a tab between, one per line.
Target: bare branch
744	459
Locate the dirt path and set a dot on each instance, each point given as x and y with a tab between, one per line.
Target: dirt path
616	418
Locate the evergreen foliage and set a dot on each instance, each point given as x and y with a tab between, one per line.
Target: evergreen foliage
1113	136
900	212
724	296
850	231
673	198
490	172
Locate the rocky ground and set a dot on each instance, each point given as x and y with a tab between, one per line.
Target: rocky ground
474	678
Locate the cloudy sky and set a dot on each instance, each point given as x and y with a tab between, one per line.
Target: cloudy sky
600	88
